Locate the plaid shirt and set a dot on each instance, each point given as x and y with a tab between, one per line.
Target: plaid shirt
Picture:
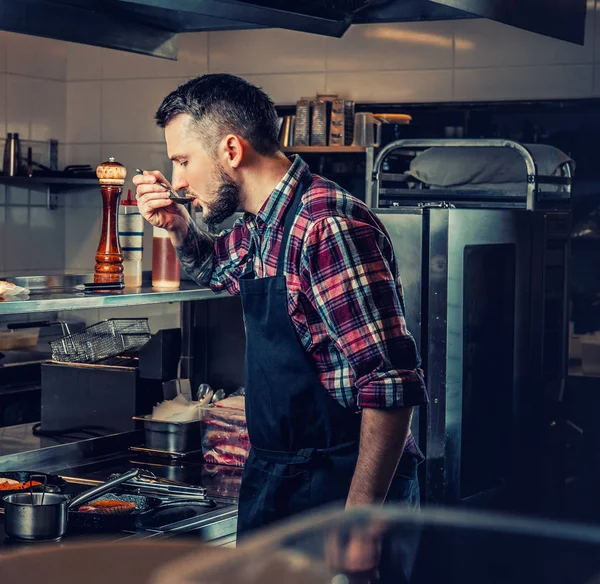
344	293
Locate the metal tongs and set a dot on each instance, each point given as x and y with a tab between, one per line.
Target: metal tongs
148	482
172	194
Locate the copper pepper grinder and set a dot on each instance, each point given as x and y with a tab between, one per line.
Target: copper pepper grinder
109	258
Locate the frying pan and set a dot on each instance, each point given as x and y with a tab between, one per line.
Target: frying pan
54	483
146	513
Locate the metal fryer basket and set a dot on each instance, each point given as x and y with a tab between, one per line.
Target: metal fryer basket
102	341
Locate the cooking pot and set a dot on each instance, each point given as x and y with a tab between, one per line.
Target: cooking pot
43	516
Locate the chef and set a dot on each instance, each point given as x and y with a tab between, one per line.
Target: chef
332	373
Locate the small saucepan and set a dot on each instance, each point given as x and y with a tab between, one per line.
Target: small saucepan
43	516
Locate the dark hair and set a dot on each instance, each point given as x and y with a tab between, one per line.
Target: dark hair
223	103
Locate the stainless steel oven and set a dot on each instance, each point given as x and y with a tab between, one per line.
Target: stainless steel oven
485	294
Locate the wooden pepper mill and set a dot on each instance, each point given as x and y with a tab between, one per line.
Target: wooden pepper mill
109	258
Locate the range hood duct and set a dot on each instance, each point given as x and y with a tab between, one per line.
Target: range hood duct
150	26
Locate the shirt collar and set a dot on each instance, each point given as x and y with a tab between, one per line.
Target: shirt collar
273	209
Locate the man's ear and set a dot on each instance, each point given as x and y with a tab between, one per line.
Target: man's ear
233	151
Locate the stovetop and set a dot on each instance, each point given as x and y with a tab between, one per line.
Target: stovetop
221	483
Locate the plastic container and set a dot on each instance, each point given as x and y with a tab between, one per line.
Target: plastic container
131	239
165	265
225	433
431	546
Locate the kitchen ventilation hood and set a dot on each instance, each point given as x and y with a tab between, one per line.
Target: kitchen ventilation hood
150	26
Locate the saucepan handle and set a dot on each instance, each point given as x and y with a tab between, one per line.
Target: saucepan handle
103	488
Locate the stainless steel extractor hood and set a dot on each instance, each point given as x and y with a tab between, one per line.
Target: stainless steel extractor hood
150	26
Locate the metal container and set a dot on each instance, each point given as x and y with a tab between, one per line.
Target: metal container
43	516
37	521
171	436
319	129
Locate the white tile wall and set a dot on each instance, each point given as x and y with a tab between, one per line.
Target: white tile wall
266	51
36	57
561	81
82	231
84	62
400	46
3	41
48	105
18	105
83	154
392	86
287	88
3	108
128	109
84	112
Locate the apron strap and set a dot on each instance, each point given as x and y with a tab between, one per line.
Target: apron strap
304	455
281	457
301	188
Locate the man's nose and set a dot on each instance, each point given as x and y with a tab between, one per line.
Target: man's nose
179	181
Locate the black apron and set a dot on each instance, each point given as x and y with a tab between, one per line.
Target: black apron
304	442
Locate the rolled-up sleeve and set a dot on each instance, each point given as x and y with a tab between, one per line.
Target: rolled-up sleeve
354	289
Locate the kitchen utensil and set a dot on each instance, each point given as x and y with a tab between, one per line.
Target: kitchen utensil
218	396
101	341
145	509
43	516
205	394
176	437
39	478
109	258
193	455
172	194
147	481
54	483
367	130
87	287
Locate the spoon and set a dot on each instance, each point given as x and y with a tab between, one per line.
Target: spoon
172	194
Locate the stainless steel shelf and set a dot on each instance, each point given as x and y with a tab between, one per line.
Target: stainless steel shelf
50	301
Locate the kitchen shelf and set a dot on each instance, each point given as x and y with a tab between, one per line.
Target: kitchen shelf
50	301
323	149
57	183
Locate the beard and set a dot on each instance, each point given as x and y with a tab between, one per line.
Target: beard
225	202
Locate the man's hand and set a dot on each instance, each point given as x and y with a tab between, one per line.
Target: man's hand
355	554
156	207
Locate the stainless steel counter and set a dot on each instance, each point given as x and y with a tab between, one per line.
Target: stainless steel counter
20	449
48	300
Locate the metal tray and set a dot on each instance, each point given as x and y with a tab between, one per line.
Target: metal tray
176	437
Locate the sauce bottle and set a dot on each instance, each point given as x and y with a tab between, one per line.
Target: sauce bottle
131	238
165	265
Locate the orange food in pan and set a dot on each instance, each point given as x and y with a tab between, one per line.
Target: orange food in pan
6	485
108	507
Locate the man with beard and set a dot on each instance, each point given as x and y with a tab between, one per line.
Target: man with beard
332	374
